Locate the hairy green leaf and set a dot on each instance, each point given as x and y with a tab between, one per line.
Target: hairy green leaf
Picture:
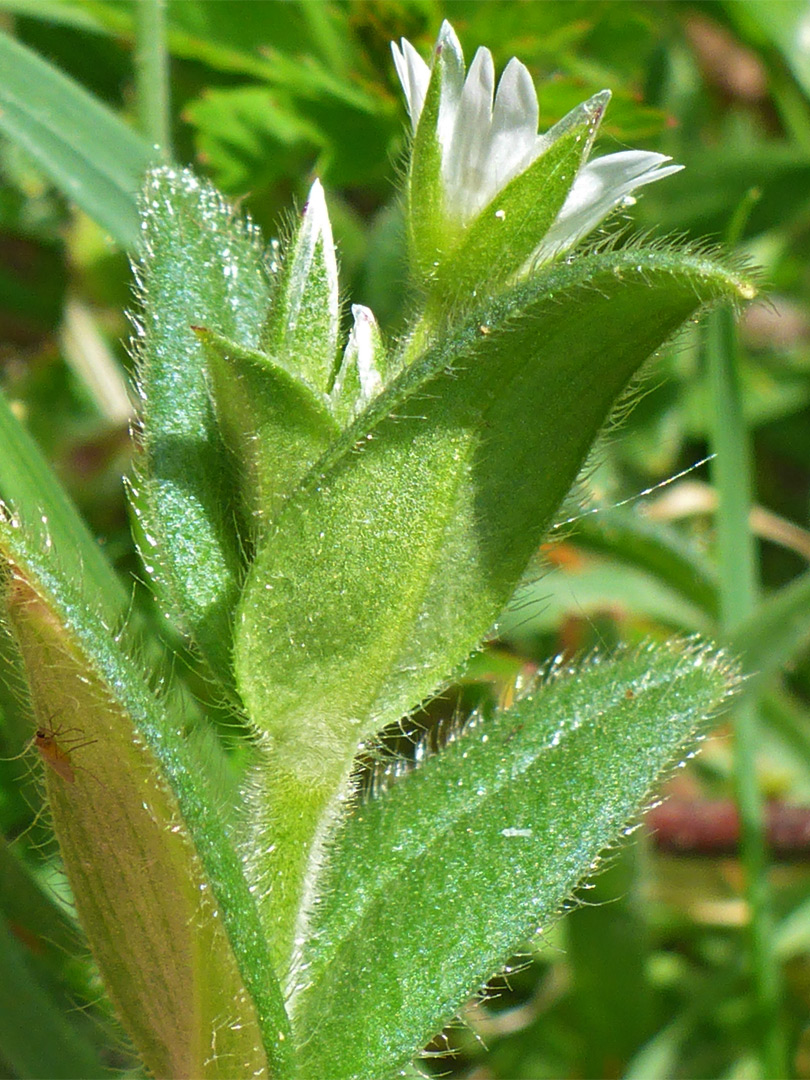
201	267
477	848
158	887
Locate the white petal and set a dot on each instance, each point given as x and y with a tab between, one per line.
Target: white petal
316	230
599	187
513	142
358	379
448	46
414	74
449	59
366	338
468	185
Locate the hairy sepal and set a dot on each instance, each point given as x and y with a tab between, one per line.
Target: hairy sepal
364	367
428	229
158	887
274	422
301	330
501	239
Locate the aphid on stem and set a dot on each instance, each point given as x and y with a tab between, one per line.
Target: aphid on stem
55	749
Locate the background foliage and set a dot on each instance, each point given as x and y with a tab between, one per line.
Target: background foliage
646	976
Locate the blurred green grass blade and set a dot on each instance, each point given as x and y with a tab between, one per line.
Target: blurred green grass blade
731	472
777	630
479	846
739	593
60	12
36	1038
792	935
83	147
608	949
658	1058
588	587
652	546
30	489
152	74
196	32
786	717
25	903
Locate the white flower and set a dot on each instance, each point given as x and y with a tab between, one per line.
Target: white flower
487	138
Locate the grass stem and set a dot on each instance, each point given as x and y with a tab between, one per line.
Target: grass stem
152	74
739	589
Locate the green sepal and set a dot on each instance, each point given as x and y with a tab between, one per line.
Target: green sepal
275	424
301	330
156	881
363	369
428	229
477	848
392	561
201	265
501	239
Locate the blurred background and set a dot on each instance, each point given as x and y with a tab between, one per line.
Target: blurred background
649	973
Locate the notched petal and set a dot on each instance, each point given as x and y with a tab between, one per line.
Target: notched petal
414	74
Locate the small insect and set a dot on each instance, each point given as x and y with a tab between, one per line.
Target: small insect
56	754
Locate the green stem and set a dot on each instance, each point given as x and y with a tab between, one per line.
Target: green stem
300	810
739	589
152	74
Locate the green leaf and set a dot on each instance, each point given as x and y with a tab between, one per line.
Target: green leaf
250	136
91	155
31	490
302	326
607	942
479	846
776	631
32	908
275	423
157	885
654	546
594	590
201	267
393	560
